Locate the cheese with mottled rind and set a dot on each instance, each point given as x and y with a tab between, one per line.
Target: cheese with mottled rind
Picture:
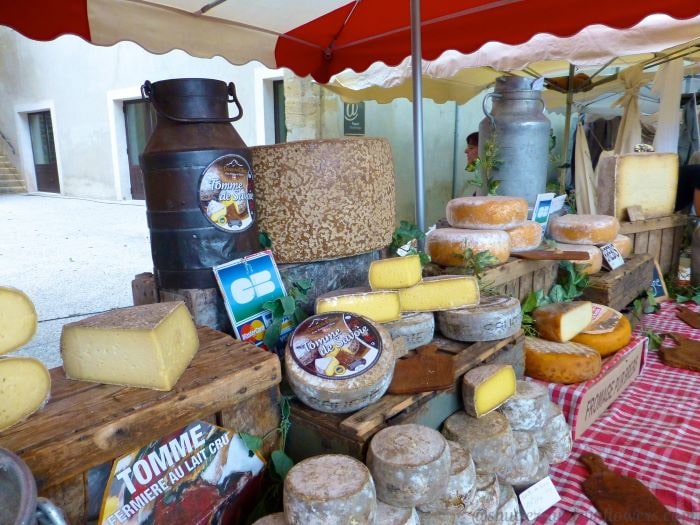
272	519
522	469
491	212
489	439
395	272
487	387
460	487
18	319
380	306
564	363
495	317
562	322
525	237
554	437
527	409
390	515
508	506
447	246
440	293
147	346
584	229
589	266
412	330
25	386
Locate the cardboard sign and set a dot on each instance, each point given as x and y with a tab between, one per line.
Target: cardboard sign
658	284
539	497
542	210
611	256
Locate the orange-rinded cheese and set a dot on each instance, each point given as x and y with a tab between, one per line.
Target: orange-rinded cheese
562	321
560	362
595	256
624	245
607	343
486	213
584	229
524	237
446	246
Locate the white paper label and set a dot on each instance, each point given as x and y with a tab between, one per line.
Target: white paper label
542	210
612	257
539	497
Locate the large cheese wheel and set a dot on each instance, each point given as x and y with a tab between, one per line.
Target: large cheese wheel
410	464
495	317
624	245
339	362
18	319
461	485
595	257
562	321
324	199
446	246
522	469
390	515
527	409
508	505
25	385
412	330
330	489
584	229
527	236
560	362
607	343
554	437
479	509
487	212
488	438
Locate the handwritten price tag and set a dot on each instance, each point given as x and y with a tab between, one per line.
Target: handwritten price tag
539	497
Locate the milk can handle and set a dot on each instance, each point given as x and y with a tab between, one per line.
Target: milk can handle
147	92
483	106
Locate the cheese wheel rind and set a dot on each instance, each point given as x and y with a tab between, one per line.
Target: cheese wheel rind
412	330
525	237
522	467
487	212
495	317
489	439
460	486
564	363
595	257
25	387
391	515
446	246
18	319
508	505
584	229
272	519
554	438
561	322
624	245
608	343
527	409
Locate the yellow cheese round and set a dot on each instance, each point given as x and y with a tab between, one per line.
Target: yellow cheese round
487	212
624	245
18	319
446	246
595	256
610	342
527	236
25	386
560	362
584	229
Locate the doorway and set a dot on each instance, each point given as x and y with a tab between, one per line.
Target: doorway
139	119
44	151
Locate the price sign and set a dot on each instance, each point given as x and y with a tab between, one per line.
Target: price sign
611	256
539	497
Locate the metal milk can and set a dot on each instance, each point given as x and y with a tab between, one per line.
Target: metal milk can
520	130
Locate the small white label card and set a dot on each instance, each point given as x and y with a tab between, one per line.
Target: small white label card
538	498
611	256
542	209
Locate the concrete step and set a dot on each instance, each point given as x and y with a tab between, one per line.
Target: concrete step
10	183
7	171
13	189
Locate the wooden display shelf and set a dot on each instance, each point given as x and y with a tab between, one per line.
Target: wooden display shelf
85	425
313	432
623	285
661	238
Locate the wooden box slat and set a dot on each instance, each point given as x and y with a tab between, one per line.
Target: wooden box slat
620	287
660	237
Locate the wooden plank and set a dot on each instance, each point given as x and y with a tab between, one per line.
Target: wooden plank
538	280
144	289
620	287
526	286
654	246
514	269
677	219
550	277
258	415
641	242
73	433
676	251
666	250
71	497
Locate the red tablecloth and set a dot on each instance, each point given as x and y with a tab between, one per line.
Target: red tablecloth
651	432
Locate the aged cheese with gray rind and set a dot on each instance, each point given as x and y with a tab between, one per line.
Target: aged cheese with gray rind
539	474
489	439
461	485
554	437
495	317
272	519
390	515
412	330
410	464
331	489
523	465
508	506
481	507
513	355
528	408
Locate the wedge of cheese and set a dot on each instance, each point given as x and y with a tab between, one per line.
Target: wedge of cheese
380	306
25	385
147	346
440	293
562	321
609	332
395	272
487	387
17	319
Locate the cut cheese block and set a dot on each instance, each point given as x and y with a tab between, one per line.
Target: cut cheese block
331	489
390	515
606	336
560	362
25	386
489	439
624	245
522	469
648	180
440	293
17	319
487	212
446	246
395	272
495	317
525	237
595	257
527	409
487	387
508	506
562	321
339	362
147	346
584	229
272	519
460	487
410	464
380	306
412	330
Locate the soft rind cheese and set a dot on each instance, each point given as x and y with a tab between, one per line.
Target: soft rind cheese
395	272
495	317
554	437
564	363
540	473
595	257
523	465
147	346
380	306
460	487
390	515
584	229
607	343
272	519
487	387
25	386
412	330
18	319
481	507
525	237
489	439
562	322
440	293
330	489
365	355
492	212
410	464
446	246
508	505
527	409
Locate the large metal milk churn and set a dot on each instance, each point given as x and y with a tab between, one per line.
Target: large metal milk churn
520	130
198	182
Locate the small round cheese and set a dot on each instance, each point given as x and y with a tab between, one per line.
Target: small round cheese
508	505
527	409
522	467
390	515
486	496
410	464
554	437
495	317
541	472
460	487
18	319
525	237
564	363
624	245
412	330
446	246
25	387
331	489
272	519
595	257
487	212
607	343
489	438
584	229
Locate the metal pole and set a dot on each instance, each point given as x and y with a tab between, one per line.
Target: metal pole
417	76
567	125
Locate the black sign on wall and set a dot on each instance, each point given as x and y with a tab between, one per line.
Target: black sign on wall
354	118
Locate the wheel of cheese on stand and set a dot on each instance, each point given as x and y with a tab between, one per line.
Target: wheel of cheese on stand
584	229
589	266
527	236
446	246
412	330
495	317
491	212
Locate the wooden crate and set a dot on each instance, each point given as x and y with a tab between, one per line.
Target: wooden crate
314	432
621	286
86	425
661	238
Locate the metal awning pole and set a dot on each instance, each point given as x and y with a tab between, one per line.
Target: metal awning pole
417	76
